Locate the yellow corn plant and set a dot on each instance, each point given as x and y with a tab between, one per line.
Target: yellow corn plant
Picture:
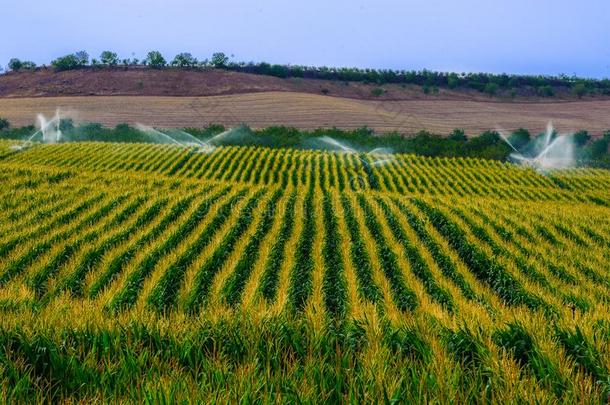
156	273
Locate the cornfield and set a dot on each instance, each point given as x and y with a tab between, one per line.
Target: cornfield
153	273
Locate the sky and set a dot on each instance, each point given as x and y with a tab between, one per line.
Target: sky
501	36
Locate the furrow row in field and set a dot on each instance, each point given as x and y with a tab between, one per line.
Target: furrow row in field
402	174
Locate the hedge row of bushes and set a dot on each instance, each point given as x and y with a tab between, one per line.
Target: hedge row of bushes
488	145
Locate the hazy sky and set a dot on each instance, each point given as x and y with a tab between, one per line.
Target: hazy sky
516	36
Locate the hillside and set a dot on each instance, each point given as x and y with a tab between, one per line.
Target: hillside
141	81
184	98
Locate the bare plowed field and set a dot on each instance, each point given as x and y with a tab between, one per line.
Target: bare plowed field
308	111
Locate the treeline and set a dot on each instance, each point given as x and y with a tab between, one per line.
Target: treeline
487	145
430	81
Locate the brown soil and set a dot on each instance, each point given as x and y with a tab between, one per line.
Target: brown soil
140	81
306	110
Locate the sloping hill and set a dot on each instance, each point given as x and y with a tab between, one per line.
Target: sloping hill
189	98
139	81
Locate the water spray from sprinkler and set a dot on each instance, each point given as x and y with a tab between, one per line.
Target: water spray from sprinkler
49	131
178	138
347	149
550	152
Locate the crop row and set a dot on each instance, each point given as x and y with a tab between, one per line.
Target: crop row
403	174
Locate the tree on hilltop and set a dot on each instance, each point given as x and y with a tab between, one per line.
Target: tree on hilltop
155	60
219	60
16	64
184	59
71	61
82	57
109	58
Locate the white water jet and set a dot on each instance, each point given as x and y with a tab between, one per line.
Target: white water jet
51	131
158	136
387	152
236	134
333	142
381	151
48	130
184	137
187	139
180	138
219	136
549	151
382	162
505	139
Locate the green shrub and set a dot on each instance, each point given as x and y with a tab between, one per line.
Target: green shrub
520	137
581	138
4	124
579	89
219	60
377	91
491	89
546	91
185	60
68	62
155	60
109	58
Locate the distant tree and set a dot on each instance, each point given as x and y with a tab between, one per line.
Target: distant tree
546	91
15	64
488	145
513	82
599	148
109	58
66	124
486	138
298	71
278	71
67	62
579	89
219	60
491	88
82	57
155	60
581	138
520	137
184	59
4	124
458	134
215	128
453	81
